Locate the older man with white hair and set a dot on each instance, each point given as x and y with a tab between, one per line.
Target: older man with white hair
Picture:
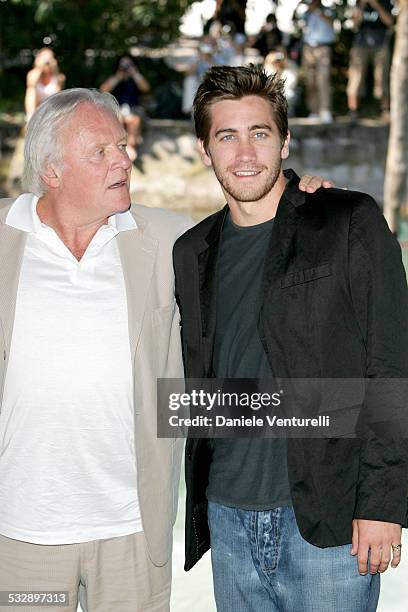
88	323
88	494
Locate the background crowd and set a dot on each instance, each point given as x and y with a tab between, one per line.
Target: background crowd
334	55
333	62
305	55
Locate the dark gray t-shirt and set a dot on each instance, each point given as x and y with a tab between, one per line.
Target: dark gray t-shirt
372	31
247	473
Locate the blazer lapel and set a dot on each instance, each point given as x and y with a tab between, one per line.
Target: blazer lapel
207	266
12	242
138	253
282	246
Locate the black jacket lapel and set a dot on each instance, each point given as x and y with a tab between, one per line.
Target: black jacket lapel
282	246
207	267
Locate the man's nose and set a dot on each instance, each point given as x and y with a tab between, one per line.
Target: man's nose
122	159
246	151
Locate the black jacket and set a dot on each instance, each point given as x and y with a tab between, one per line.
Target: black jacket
334	304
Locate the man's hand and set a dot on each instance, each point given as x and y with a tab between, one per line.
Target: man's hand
385	16
358	15
120	75
312	183
380	539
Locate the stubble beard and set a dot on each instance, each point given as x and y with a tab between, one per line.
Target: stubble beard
248	193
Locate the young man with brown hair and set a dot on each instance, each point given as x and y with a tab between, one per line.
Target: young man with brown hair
281	283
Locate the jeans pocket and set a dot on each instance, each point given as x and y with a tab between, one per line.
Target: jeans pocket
267	534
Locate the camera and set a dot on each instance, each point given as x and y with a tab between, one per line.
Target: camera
125	64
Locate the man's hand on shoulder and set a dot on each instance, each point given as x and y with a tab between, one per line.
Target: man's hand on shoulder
374	543
313	183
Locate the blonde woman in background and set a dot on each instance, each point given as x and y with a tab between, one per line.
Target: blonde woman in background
43	80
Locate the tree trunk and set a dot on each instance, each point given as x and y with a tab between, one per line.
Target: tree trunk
396	175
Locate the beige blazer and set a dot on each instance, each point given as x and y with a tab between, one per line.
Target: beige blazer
154	333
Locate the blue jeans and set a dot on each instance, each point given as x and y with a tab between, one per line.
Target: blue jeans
261	563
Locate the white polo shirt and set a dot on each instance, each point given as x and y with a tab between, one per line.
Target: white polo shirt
67	455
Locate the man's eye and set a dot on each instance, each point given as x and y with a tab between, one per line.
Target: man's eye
228	137
123	146
260	135
100	152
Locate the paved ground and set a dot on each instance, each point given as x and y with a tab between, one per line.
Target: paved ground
192	591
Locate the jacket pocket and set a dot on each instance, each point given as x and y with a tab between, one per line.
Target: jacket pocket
165	341
163	315
305	276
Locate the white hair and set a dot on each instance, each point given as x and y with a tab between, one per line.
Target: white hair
42	143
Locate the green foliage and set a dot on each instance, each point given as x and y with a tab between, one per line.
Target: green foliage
85	34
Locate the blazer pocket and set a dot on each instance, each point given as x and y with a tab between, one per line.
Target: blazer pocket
163	314
165	332
305	276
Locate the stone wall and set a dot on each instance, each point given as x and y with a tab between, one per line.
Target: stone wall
170	173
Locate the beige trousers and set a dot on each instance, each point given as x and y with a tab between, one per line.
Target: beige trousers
113	575
360	60
316	65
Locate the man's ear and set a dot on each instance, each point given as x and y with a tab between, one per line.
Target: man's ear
285	147
52	176
204	155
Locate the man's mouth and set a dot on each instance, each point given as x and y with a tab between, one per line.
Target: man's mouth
246	173
119	184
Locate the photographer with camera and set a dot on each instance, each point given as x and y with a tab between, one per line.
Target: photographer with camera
43	80
126	85
269	38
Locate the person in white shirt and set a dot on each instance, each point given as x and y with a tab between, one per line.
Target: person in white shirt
88	323
277	62
88	493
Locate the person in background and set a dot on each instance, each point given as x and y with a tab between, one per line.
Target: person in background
318	37
43	80
278	63
222	39
230	45
239	41
205	59
373	20
127	85
231	12
269	38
